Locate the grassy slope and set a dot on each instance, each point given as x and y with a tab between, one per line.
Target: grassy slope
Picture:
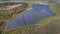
56	9
5	14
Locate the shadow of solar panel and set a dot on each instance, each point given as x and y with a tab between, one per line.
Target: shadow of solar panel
31	16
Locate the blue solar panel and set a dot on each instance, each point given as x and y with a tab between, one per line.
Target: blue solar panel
18	22
39	7
31	16
39	12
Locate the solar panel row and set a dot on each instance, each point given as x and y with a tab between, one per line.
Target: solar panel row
31	16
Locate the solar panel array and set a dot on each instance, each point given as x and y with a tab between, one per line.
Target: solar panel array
31	16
